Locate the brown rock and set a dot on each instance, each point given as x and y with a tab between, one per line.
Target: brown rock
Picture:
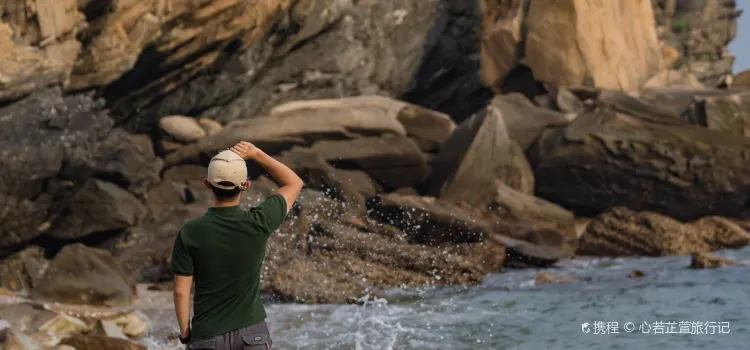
181	185
524	121
346	265
20	272
98	207
524	206
606	159
673	78
462	171
26	68
283	130
729	113
394	161
83	275
704	260
181	128
350	187
210	126
624	232
501	39
429	128
542	278
637	274
741	81
585	48
96	342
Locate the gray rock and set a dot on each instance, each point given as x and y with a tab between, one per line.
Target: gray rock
85	276
98	207
394	161
21	271
425	51
49	147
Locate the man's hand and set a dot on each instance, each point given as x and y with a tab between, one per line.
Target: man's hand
246	150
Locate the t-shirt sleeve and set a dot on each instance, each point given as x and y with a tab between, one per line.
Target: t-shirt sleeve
270	213
182	262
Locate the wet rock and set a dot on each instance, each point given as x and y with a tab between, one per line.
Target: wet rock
210	126
281	131
358	264
586	49
49	147
636	274
349	186
83	275
606	159
704	260
181	128
98	206
625	232
394	161
21	271
59	327
4	329
430	220
462	171
95	342
19	341
523	254
134	324
542	278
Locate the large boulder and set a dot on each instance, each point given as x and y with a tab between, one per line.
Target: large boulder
394	161
605	159
281	131
21	271
428	220
524	121
98	207
49	147
130	162
625	232
87	276
427	127
479	152
572	42
348	186
181	128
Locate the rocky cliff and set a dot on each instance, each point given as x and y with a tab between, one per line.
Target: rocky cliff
439	140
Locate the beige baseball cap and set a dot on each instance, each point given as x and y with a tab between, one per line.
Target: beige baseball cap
227	166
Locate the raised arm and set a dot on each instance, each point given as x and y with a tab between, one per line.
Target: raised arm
291	184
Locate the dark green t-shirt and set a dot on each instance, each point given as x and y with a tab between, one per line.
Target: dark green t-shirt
224	251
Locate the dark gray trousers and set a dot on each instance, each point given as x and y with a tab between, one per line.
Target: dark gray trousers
253	337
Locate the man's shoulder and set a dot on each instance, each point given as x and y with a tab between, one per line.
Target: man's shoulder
189	225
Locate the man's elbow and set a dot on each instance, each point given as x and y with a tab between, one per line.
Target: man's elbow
180	293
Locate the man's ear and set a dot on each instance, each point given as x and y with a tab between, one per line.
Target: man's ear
207	184
246	185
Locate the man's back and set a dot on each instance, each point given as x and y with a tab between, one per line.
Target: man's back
224	250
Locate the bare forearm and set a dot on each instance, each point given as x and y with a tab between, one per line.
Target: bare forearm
182	310
279	171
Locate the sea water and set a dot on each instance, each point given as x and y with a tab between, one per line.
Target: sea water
671	307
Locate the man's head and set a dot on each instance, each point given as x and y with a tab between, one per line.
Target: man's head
227	176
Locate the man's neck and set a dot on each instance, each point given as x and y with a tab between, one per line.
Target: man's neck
224	204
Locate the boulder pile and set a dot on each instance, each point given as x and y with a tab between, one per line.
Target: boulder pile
439	141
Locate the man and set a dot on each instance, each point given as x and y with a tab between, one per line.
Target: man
223	251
